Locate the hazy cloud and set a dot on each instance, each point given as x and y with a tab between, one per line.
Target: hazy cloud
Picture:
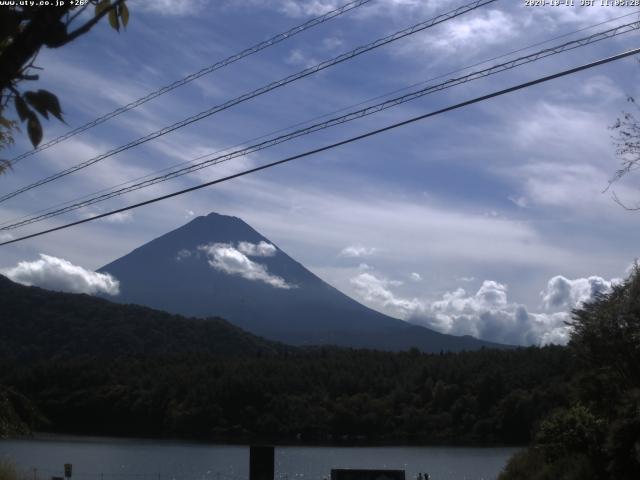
58	274
416	277
355	251
183	254
225	258
262	249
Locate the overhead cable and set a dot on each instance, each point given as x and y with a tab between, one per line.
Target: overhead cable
262	90
523	60
308	153
314	119
189	78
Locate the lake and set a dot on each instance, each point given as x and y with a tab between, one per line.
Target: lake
124	459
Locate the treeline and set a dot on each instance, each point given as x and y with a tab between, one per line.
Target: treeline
94	367
320	395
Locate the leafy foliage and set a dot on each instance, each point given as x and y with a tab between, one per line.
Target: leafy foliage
600	431
24	30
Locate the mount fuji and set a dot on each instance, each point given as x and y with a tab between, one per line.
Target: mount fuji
219	266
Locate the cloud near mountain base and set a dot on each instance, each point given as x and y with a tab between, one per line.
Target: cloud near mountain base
61	275
487	314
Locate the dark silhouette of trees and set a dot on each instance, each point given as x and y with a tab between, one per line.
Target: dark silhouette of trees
598	435
24	31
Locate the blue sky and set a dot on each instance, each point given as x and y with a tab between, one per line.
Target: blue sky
489	220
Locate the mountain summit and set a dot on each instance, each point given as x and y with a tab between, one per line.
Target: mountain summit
219	266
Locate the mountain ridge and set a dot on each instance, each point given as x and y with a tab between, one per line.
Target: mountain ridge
178	273
44	325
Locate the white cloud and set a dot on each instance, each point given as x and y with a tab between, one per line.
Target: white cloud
563	293
376	290
469	32
492	27
262	249
225	258
355	251
5	237
58	274
487	314
416	277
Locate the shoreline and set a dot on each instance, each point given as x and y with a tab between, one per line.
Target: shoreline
95	438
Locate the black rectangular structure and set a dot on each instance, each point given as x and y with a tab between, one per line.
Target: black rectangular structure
354	474
261	463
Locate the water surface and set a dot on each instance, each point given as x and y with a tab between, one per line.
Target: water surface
123	459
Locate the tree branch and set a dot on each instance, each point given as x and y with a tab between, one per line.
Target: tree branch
89	25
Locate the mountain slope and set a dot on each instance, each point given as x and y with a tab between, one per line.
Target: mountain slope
42	325
177	273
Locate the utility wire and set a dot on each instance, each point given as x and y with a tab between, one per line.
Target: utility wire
189	78
336	121
371	133
325	115
289	79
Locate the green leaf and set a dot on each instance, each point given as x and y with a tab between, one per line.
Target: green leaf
113	20
44	102
51	103
21	108
102	5
124	14
34	129
34	100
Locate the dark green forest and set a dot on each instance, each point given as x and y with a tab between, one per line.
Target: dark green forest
74	364
91	366
324	395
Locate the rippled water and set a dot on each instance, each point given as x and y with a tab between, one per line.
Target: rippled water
123	459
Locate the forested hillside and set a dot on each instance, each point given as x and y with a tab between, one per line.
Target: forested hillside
324	395
91	366
39	324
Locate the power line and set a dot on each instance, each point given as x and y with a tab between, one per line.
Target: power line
596	37
189	78
58	206
280	83
338	144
